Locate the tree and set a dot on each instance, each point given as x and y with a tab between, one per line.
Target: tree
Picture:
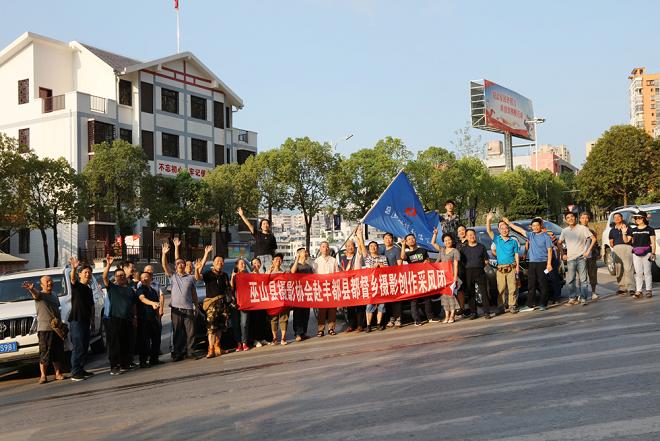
54	197
264	168
12	195
468	146
426	174
228	187
306	167
525	193
360	179
115	177
622	166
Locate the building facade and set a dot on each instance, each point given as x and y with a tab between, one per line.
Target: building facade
61	98
644	92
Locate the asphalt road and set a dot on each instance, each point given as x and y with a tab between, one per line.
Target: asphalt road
570	373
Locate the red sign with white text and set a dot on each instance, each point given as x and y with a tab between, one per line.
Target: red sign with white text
347	288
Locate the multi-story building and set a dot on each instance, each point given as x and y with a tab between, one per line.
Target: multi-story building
644	92
588	147
546	161
60	98
561	151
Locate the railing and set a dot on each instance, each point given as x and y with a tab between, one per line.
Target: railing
243	137
97	104
52	103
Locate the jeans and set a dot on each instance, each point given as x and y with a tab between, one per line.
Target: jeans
300	321
577	268
183	332
241	326
79	333
643	273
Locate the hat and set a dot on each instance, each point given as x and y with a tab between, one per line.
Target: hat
640	213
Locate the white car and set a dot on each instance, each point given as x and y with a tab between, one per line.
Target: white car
653	212
18	325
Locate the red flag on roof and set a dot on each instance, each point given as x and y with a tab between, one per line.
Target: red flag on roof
176	4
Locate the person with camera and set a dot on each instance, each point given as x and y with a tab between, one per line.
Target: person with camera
81	318
51	343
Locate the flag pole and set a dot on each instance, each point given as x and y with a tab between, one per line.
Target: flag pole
177	28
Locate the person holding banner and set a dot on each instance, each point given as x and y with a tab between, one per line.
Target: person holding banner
476	258
415	254
326	264
301	315
372	260
352	261
241	318
278	315
393	256
448	254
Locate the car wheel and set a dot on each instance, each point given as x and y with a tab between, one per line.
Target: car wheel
655	271
98	347
609	261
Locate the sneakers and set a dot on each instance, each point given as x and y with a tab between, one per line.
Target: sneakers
298	338
595	296
391	323
87	374
78	377
487	316
583	302
397	323
637	295
434	320
513	310
239	347
418	324
115	370
258	344
368	328
543	308
526	309
649	294
380	327
621	292
571	302
245	347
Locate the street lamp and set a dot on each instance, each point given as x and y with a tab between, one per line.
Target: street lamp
536	122
338	140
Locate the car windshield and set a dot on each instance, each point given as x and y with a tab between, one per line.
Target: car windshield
12	291
654	218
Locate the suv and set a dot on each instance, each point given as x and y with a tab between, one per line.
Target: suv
18	320
653	211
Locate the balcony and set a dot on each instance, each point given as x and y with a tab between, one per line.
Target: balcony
241	138
52	103
97	104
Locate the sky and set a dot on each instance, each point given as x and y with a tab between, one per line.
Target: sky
377	68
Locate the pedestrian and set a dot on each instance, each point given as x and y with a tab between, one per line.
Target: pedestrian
507	252
393	255
259	321
349	261
475	257
241	318
278	316
123	319
183	306
449	221
412	253
301	315
256	265
372	259
51	344
265	244
592	260
81	318
326	264
448	253
149	325
642	239
621	253
553	277
460	243
539	262
215	305
578	249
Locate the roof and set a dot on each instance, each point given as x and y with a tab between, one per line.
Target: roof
8	258
116	61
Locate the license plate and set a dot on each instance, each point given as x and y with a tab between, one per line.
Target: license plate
12	346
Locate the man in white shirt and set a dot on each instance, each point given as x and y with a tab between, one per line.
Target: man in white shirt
578	248
326	264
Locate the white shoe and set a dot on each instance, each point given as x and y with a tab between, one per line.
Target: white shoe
258	344
595	296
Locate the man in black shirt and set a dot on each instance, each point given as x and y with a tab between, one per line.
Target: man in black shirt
80	319
475	258
215	304
265	245
149	327
411	253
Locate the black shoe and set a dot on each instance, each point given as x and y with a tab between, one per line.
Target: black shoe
513	310
115	370
487	316
368	328
381	327
87	374
78	377
155	361
176	358
143	365
474	316
192	357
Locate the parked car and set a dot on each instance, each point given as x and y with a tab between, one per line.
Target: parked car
653	211
18	325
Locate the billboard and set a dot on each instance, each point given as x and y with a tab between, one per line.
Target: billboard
498	109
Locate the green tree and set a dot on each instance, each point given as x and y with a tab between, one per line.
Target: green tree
360	179
306	168
468	145
525	193
426	174
264	168
54	197
12	195
115	177
622	166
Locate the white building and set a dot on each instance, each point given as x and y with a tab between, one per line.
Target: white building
60	98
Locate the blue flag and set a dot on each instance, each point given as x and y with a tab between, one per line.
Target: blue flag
400	212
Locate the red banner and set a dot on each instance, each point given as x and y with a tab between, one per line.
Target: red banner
348	288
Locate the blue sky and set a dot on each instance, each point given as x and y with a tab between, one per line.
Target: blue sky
325	68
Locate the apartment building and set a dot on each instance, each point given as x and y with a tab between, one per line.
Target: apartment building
644	92
60	98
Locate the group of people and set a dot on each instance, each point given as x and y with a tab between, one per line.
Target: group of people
135	302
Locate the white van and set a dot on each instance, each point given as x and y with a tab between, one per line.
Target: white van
18	324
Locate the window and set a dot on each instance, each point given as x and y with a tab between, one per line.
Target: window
148	144
228	117
23	91
147	97
23	140
243	155
197	107
219	152
98	132
198	147
4	242
170	145
125	92
228	155
218	115
126	135
169	100
23	241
